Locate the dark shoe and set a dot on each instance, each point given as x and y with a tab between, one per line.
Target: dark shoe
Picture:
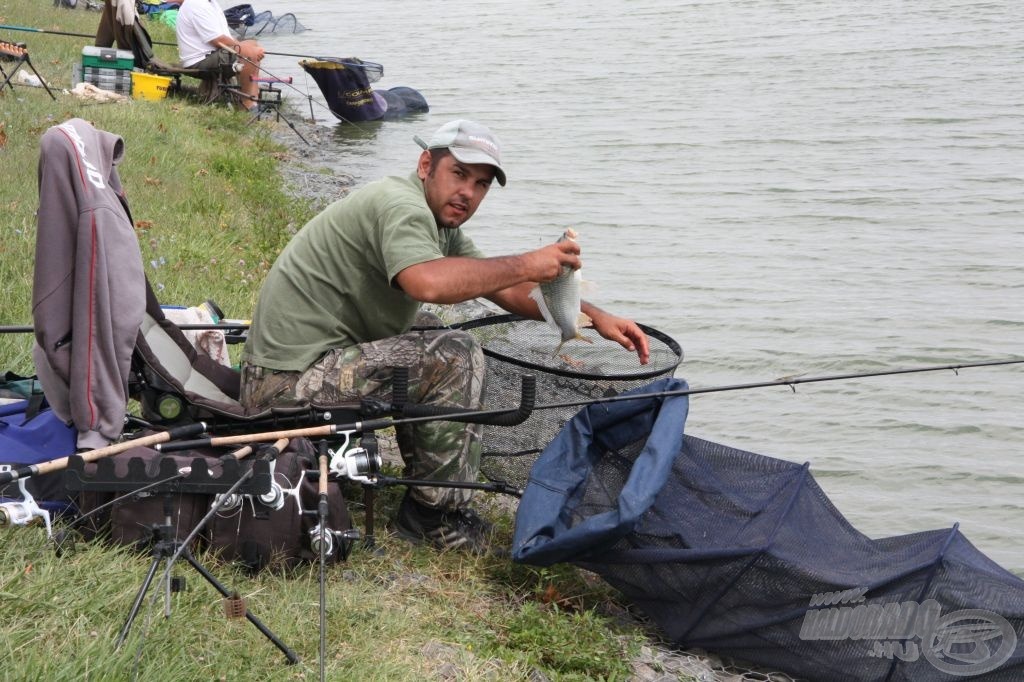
454	529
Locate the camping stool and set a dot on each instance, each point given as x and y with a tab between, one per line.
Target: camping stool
19	53
214	84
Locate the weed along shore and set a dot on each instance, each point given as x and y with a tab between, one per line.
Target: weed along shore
213	200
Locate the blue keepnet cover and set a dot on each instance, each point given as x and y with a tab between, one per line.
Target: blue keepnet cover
543	535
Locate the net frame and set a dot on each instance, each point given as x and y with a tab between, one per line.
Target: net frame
509	452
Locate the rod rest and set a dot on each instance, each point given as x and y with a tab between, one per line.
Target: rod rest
199	480
527	400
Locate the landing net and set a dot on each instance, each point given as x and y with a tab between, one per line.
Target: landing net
249	24
579	371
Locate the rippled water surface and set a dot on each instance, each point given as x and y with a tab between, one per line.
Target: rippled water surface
784	187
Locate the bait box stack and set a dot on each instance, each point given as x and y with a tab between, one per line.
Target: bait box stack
108	69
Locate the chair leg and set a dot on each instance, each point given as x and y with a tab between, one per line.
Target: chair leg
22	61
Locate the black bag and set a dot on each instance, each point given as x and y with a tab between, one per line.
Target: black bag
240	14
252	534
258	536
132	520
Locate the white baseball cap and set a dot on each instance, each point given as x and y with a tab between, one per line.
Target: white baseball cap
469	142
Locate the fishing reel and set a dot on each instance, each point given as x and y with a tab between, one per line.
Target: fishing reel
274	498
25	511
228	503
360	462
340	540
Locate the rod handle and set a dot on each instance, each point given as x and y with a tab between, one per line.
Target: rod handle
527	400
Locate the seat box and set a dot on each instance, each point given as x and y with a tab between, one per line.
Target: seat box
107	58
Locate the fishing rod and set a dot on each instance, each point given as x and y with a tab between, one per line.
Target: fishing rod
790	381
56	33
215	326
417	413
321	540
451	414
93	455
413	414
154	42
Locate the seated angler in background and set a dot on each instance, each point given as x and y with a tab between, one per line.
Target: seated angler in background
205	42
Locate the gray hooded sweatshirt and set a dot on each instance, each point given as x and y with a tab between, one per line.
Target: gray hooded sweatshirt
89	292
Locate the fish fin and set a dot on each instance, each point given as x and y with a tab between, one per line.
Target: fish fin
538	296
583	320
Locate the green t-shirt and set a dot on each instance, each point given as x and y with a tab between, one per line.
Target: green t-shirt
331	287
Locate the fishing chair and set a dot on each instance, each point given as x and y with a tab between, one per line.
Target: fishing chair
175	384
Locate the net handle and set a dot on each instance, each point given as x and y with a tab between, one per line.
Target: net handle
527	400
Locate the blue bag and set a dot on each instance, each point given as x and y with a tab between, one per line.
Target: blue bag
31	433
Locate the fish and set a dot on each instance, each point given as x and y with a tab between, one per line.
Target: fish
559	301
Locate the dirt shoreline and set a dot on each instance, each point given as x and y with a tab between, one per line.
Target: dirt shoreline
308	174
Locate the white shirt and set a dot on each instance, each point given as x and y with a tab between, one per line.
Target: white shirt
199	22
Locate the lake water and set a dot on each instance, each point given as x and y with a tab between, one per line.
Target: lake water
784	187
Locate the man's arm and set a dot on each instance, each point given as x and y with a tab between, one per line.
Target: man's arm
249	49
507	281
624	332
454	279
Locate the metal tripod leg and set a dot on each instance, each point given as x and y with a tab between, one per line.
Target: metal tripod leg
288	653
138	600
165	549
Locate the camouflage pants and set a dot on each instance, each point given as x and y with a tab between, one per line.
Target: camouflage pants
446	368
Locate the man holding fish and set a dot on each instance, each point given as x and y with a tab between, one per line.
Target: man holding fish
336	312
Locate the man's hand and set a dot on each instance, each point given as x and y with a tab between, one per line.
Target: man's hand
546	263
620	330
251	50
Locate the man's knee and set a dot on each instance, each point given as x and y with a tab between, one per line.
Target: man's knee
455	347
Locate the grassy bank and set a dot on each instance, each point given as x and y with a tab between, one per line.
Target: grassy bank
203	187
210	216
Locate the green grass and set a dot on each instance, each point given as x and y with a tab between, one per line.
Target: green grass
397	613
211	215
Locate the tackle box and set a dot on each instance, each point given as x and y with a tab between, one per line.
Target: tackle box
107	58
92	74
116	80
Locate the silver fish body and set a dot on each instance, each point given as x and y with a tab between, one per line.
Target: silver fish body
559	301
